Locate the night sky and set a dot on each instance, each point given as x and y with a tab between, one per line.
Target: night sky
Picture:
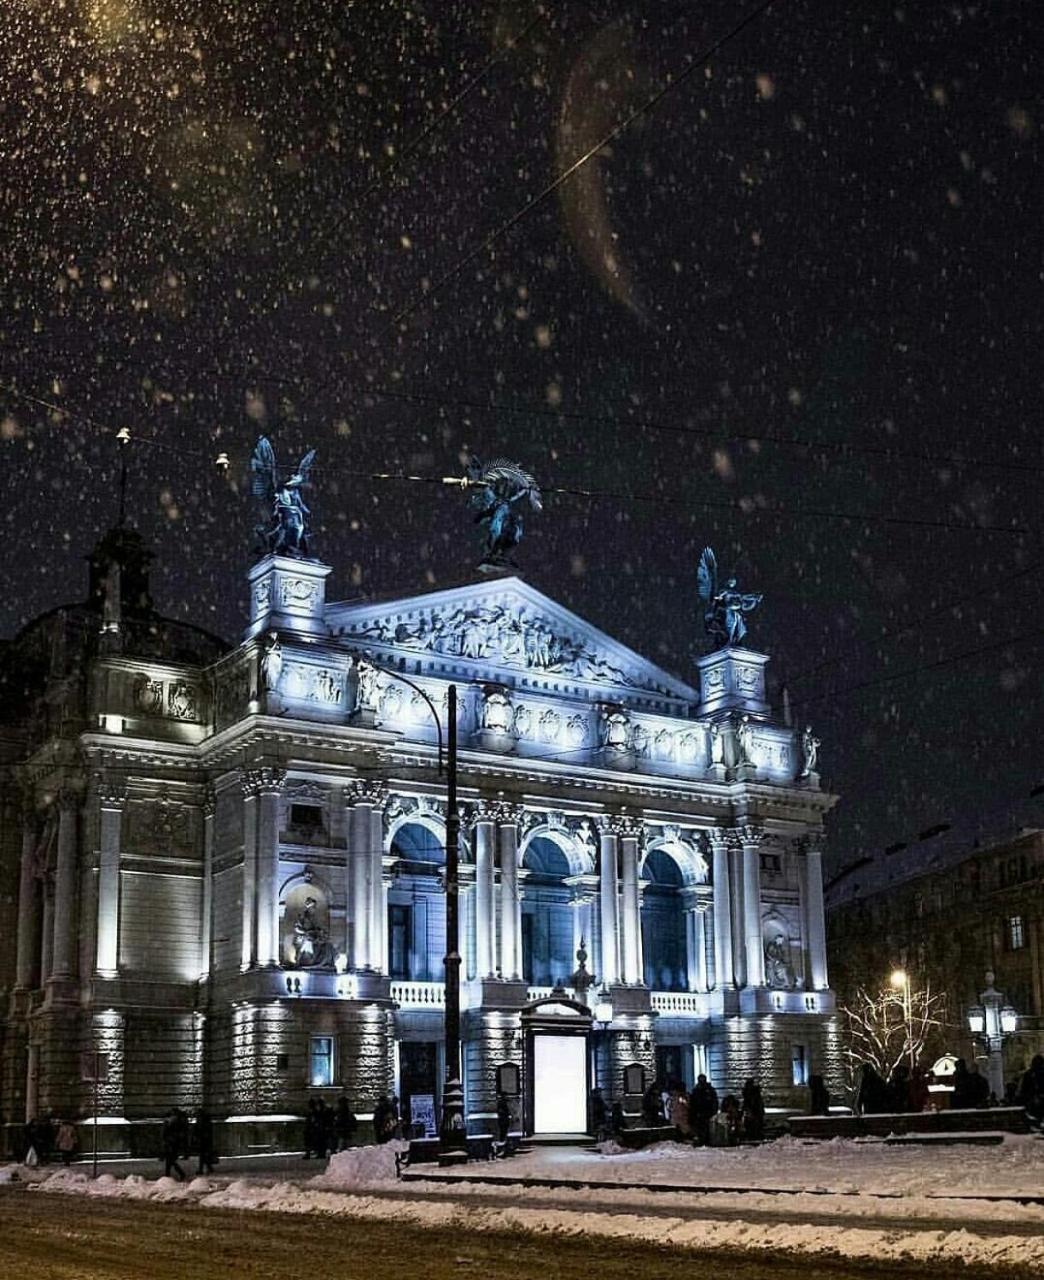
793	311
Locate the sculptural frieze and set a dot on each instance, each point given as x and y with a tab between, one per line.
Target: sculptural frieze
182	700
148	696
493	633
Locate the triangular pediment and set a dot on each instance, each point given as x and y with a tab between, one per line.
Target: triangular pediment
503	630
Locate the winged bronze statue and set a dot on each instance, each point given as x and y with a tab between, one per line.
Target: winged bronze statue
723	606
500	489
284	527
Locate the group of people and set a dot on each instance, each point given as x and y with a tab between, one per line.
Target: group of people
180	1136
49	1137
328	1129
699	1116
906	1089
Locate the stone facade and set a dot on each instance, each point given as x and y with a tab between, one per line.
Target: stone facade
221	871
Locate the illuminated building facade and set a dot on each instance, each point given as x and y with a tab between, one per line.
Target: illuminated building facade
224	869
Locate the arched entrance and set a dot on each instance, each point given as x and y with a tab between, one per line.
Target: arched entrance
557	1034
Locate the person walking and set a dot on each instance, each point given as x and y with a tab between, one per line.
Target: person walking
171	1138
703	1107
599	1115
1031	1089
205	1141
753	1111
65	1141
872	1098
818	1096
383	1120
617	1123
680	1114
503	1117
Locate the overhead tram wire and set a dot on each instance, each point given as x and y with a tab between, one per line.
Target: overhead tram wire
911	627
547	191
745	508
845	449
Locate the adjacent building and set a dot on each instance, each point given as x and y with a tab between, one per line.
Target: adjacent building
961	910
223	868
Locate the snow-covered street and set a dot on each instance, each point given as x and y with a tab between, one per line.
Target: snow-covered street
841	1199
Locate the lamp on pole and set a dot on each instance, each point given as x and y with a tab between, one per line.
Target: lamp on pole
991	1022
453	1138
901	981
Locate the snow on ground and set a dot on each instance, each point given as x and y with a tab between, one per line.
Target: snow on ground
918	1220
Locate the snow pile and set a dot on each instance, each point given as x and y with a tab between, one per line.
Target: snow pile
20	1173
360	1167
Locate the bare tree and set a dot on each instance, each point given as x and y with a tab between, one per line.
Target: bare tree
876	1029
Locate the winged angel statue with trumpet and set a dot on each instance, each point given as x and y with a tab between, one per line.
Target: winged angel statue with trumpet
499	490
723	606
287	534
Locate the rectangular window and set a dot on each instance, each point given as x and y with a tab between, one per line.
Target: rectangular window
321	1074
699	1062
400	927
799	1064
1016	933
306	817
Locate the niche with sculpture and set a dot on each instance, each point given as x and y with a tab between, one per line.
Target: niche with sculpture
305	940
779	947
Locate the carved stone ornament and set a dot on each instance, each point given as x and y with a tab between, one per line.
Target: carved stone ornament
496	633
305	789
509	813
371	792
497	711
182	700
630	827
549	726
111	790
148	696
262	778
748	836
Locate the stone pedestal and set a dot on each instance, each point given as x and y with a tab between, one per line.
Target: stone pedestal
732	680
288	595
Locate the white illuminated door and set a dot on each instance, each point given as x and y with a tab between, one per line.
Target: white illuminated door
559	1084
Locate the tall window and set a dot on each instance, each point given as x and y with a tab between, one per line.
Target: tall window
547	920
321	1073
663	924
799	1064
399	930
1016	933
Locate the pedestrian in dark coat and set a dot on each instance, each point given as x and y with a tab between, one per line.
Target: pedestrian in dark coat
599	1114
205	1141
962	1086
503	1117
753	1112
1031	1089
172	1145
703	1107
617	1123
818	1097
899	1089
652	1107
383	1120
872	1098
312	1125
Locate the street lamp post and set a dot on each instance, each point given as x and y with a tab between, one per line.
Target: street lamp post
453	1138
901	979
991	1022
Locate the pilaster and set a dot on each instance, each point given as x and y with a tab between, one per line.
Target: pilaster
814	912
509	818
112	794
724	974
608	857
630	833
484	837
748	839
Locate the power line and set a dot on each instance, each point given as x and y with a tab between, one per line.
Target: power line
911	627
744	507
648	105
1035	636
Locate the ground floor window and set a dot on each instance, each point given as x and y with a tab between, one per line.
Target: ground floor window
799	1064
321	1073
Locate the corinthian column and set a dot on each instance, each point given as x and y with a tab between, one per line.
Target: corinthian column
266	783
484	836
64	955
724	976
364	873
814	915
630	829
28	908
207	922
509	816
608	841
749	838
111	796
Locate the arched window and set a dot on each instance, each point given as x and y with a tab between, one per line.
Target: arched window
663	924
547	919
416	909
